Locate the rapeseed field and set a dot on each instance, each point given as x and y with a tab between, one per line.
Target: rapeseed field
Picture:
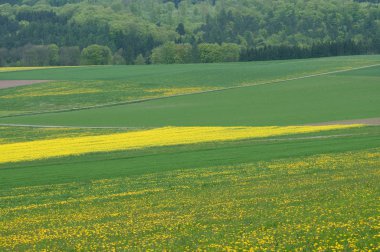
166	136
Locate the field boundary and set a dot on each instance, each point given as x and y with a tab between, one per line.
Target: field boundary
276	81
366	121
66	127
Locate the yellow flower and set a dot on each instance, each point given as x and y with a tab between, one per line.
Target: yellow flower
166	136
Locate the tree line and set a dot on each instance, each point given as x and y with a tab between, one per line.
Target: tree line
316	50
168	53
72	32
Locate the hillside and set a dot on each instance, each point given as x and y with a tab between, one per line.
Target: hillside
244	156
55	32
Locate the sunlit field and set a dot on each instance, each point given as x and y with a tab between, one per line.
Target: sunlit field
260	156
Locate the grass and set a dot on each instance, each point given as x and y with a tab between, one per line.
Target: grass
14	69
96	85
292	192
343	96
80	87
197	74
323	202
66	95
158	159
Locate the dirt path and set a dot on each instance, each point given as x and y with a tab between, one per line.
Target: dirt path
368	121
16	83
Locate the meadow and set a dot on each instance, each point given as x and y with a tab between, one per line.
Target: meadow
79	87
131	158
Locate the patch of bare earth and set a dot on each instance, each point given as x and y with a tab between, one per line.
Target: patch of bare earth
368	121
16	83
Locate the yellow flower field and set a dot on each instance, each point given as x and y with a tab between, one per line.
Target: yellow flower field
298	204
166	136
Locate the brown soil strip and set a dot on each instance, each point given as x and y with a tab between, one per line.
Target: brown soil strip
16	83
368	121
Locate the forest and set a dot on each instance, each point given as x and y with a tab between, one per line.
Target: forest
91	32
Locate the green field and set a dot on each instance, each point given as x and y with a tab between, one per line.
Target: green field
299	192
90	86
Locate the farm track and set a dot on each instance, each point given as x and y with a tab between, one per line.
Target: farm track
367	121
193	93
15	83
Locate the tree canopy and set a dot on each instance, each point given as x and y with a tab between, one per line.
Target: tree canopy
268	29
